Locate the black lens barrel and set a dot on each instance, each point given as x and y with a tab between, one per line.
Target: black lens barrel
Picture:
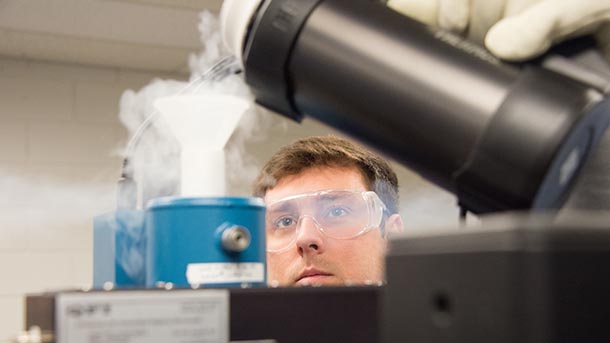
497	135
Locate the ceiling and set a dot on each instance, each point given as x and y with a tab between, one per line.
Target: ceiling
153	35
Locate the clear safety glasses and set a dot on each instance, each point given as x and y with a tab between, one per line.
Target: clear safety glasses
339	214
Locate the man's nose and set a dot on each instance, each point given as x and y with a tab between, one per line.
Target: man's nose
309	239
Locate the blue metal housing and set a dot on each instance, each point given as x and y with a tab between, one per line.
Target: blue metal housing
185	233
119	248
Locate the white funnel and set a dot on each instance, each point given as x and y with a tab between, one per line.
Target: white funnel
202	124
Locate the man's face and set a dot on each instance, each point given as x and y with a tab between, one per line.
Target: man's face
314	258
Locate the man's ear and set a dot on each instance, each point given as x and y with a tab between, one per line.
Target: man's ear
394	224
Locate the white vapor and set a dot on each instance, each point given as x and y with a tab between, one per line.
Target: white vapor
429	207
156	160
52	202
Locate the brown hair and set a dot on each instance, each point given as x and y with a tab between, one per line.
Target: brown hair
320	151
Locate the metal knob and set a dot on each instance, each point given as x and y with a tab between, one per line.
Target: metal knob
235	239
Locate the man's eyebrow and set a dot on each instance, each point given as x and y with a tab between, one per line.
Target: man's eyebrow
331	197
285	206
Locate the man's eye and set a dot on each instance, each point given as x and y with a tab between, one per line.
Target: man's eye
284	222
337	212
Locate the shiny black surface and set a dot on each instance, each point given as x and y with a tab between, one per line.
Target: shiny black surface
496	135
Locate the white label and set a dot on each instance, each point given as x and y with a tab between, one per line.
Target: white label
204	273
181	316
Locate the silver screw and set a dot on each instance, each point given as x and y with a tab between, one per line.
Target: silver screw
236	239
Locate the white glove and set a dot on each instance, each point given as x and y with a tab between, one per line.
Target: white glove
515	29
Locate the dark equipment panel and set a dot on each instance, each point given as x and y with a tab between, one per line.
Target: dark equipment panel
524	282
287	315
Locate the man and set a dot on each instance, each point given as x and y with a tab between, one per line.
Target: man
330	207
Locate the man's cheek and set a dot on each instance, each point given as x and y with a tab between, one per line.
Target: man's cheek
277	268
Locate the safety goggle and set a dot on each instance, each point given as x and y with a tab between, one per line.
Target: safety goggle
338	214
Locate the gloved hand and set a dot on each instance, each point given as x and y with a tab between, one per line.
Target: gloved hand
515	29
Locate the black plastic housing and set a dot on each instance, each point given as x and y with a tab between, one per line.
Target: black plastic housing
526	281
498	136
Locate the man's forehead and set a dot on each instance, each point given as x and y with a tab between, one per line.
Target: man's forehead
315	180
315	199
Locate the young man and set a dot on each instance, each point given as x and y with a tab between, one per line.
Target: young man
330	206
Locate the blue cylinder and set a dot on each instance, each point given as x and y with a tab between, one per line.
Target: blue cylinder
217	241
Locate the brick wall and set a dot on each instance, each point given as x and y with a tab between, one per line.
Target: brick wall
59	138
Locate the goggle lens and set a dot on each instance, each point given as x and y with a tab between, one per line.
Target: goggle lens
338	214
